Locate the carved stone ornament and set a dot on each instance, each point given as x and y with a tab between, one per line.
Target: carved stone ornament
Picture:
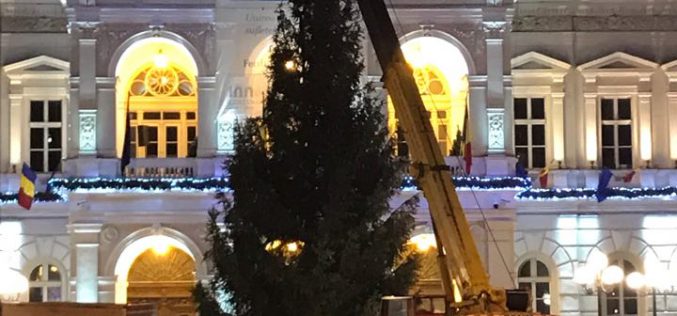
109	234
87	132
496	135
225	136
494	29
595	23
85	29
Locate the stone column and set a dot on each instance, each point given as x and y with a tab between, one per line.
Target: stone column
207	111
4	127
644	111
495	101
590	128
106	115
672	124
477	118
86	89
16	118
85	238
74	117
557	119
508	121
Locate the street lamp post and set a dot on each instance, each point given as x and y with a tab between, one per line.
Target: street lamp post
12	285
600	275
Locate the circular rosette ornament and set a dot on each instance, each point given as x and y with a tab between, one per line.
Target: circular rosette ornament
162	81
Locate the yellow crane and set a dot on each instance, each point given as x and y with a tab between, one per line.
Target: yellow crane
460	264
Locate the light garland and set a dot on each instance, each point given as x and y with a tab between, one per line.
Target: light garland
58	189
40	197
478	184
665	193
105	185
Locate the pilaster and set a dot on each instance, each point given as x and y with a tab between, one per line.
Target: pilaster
495	101
477	118
645	149
105	118
672	126
590	127
87	64
494	41
557	121
74	107
85	239
207	112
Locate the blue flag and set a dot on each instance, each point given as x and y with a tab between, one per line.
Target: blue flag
602	190
520	172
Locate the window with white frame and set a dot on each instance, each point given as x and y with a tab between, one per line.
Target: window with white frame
616	133
619	299
45	284
45	135
534	277
529	131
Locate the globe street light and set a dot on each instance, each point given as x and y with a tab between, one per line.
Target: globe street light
597	274
12	285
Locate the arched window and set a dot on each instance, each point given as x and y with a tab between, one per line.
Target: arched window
534	277
441	75
619	299
45	284
163	113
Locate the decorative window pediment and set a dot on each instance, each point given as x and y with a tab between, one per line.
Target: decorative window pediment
533	64
537	61
618	64
40	64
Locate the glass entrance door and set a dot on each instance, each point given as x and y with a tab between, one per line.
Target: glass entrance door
163	134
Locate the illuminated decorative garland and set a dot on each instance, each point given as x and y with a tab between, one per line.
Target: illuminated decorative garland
138	184
555	194
59	188
612	193
40	197
479	184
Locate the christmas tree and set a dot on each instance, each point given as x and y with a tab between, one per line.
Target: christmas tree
309	230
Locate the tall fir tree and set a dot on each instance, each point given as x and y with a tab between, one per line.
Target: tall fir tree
309	230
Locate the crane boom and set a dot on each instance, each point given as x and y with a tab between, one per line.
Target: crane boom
461	265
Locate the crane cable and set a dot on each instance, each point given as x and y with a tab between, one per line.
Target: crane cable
464	173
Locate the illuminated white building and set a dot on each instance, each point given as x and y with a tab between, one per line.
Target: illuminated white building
569	85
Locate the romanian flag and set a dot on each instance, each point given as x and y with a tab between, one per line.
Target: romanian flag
27	188
543	177
628	176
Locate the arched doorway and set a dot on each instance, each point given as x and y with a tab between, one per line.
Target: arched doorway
156	86
441	73
256	75
162	239
163	275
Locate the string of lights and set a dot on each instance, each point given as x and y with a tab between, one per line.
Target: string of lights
58	189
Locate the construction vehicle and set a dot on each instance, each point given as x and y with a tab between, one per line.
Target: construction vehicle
464	280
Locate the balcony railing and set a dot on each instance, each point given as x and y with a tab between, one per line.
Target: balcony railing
161	168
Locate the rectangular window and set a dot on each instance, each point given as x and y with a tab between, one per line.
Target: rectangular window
529	131
616	130
46	144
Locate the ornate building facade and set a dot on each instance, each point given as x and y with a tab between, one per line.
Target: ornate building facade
565	88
